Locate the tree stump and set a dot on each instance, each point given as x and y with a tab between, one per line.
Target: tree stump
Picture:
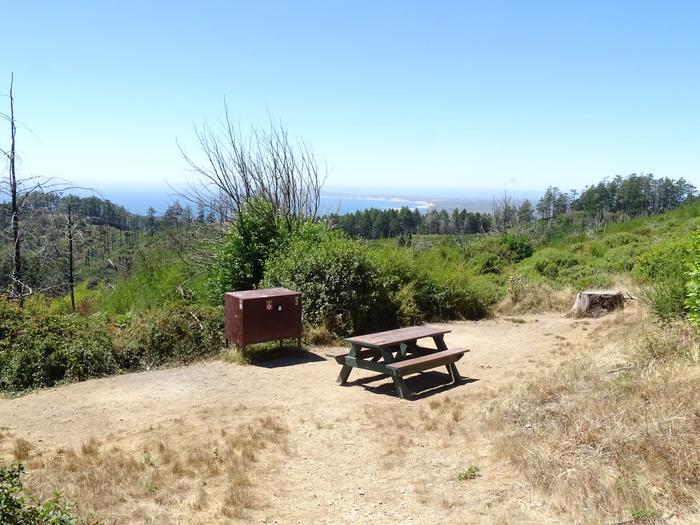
596	303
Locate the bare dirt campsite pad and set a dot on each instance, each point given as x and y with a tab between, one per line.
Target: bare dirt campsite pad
282	443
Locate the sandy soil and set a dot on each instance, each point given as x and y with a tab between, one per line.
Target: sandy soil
357	453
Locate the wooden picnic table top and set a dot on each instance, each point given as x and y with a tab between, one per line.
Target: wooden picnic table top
396	337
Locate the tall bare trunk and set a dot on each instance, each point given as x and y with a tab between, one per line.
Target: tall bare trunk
71	279
17	285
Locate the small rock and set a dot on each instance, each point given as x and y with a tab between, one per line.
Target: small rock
361	492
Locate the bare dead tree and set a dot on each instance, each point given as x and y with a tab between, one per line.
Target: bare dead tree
28	204
71	260
16	283
503	210
237	169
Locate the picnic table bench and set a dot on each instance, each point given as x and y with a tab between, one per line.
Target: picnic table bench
396	353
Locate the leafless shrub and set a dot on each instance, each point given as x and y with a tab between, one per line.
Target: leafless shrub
265	164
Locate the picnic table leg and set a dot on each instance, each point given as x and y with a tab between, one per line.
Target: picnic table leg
344	374
401	387
454	373
345	371
451	367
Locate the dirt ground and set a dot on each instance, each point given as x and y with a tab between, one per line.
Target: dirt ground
356	453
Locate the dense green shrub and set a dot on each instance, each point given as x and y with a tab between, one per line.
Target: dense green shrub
488	262
441	299
39	348
663	269
158	277
622	258
255	235
620	239
583	277
506	248
692	299
550	262
342	285
435	284
663	260
17	507
518	246
175	333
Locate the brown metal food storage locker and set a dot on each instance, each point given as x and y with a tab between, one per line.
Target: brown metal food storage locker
268	314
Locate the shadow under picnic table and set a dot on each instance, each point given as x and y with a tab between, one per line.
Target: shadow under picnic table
422	384
285	356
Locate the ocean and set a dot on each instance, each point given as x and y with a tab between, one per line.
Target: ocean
336	201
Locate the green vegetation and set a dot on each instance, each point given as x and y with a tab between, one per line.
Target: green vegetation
611	200
471	473
20	508
41	348
168	310
240	260
692	301
341	284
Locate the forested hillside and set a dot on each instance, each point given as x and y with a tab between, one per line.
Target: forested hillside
67	239
612	200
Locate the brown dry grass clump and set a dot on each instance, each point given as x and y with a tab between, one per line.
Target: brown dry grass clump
196	476
525	297
21	449
615	434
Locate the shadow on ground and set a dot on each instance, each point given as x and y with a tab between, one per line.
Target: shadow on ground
422	385
280	357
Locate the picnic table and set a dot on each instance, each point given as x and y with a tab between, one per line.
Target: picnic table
396	353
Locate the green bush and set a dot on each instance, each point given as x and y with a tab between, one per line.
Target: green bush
550	262
663	269
432	290
663	260
157	278
692	298
583	277
442	299
622	258
506	248
256	234
518	246
342	285
175	333
620	239
39	348
487	262
17	507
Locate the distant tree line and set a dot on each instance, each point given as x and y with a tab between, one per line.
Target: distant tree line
378	224
613	199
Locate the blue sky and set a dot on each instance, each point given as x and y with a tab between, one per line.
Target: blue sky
443	95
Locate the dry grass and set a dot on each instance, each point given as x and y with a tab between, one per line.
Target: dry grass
535	298
201	475
320	336
615	434
439	417
21	449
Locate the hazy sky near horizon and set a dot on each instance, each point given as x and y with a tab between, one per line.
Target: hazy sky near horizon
452	95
